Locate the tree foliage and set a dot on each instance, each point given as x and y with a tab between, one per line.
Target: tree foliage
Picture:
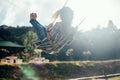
28	42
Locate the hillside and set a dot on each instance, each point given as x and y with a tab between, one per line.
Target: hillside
97	44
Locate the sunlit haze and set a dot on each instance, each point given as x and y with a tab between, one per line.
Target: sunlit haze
97	12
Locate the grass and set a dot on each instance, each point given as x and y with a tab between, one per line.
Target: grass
115	78
61	70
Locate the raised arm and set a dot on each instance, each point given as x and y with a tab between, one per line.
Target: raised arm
34	22
40	29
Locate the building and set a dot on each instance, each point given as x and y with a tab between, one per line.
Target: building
11	60
39	60
8	48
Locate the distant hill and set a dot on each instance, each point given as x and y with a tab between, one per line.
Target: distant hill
14	34
97	44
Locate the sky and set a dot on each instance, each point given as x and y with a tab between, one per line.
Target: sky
97	12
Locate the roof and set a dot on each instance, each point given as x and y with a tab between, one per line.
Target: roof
9	44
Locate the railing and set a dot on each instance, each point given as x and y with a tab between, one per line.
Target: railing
93	77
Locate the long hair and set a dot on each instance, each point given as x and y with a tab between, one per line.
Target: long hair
66	14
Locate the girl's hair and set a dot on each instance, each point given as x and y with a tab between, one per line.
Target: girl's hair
66	14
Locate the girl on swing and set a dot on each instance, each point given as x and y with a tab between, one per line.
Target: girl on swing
54	37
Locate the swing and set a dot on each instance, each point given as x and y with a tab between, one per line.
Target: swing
54	38
56	46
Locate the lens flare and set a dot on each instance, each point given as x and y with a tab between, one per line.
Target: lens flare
28	72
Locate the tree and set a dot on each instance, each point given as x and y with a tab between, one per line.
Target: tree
38	52
87	54
69	52
28	42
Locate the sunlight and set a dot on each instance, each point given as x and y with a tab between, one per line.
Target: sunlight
97	12
28	71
